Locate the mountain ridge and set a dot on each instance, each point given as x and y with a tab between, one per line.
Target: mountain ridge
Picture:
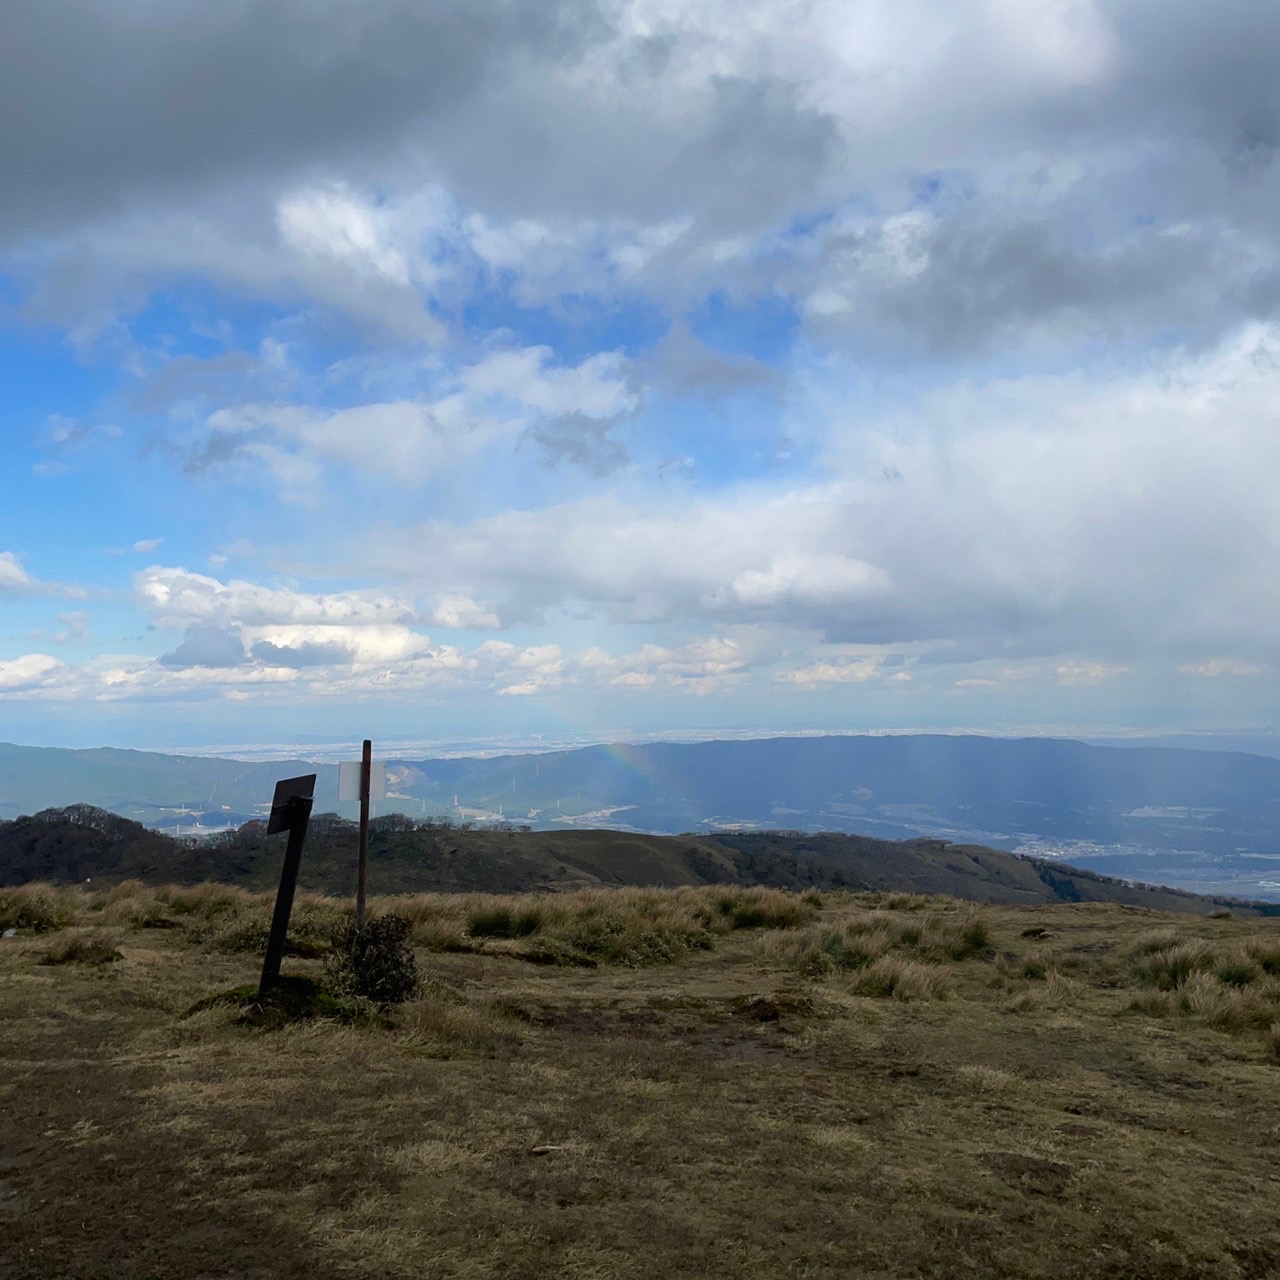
84	844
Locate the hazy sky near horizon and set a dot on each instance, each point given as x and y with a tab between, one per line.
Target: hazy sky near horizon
505	367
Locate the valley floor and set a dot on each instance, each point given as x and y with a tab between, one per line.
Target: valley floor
1045	1092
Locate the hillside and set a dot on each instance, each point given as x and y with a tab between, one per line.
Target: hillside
79	844
644	1085
148	786
1195	819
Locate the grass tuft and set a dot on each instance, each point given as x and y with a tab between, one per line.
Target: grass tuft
41	908
83	948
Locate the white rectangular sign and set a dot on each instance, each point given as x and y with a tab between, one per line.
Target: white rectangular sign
349	780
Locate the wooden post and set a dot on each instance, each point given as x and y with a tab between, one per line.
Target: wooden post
299	812
366	769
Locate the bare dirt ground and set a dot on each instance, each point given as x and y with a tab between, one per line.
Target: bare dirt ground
1060	1105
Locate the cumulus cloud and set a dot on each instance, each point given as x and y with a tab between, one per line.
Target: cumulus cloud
567	409
549	277
1037	514
32	672
177	597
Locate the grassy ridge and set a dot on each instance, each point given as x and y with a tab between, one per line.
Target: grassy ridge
82	843
644	1083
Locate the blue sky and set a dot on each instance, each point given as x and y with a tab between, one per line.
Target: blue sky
466	370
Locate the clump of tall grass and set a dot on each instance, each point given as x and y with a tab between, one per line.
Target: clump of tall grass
1230	1008
934	938
1234	989
1271	1040
208	899
505	920
902	979
134	905
312	926
82	947
754	908
624	926
1168	967
41	908
443	1025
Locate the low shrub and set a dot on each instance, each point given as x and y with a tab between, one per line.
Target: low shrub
375	963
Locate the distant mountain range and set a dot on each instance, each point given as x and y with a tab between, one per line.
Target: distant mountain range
1206	820
82	844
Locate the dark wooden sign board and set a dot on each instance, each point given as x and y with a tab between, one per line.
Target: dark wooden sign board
287	791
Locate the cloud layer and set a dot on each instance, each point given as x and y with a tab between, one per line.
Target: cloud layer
920	354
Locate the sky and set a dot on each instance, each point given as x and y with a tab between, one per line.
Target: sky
526	371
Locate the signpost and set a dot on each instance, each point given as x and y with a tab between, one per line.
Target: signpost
290	811
362	781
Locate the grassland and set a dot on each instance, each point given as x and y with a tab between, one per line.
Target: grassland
714	1082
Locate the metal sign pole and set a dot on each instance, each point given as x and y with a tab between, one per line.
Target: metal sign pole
366	769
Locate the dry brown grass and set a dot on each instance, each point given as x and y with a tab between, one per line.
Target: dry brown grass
1095	1095
82	946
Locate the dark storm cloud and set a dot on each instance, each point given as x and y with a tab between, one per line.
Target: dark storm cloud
981	281
103	102
105	105
207	647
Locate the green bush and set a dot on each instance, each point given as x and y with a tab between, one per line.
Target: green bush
376	963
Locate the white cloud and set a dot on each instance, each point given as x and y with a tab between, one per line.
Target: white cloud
147	544
32	671
176	597
462	612
842	671
14	578
1077	672
481	406
337	225
1036	514
1213	668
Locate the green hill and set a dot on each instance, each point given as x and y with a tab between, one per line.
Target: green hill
70	846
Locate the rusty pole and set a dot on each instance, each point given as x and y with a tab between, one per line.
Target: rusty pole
366	769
